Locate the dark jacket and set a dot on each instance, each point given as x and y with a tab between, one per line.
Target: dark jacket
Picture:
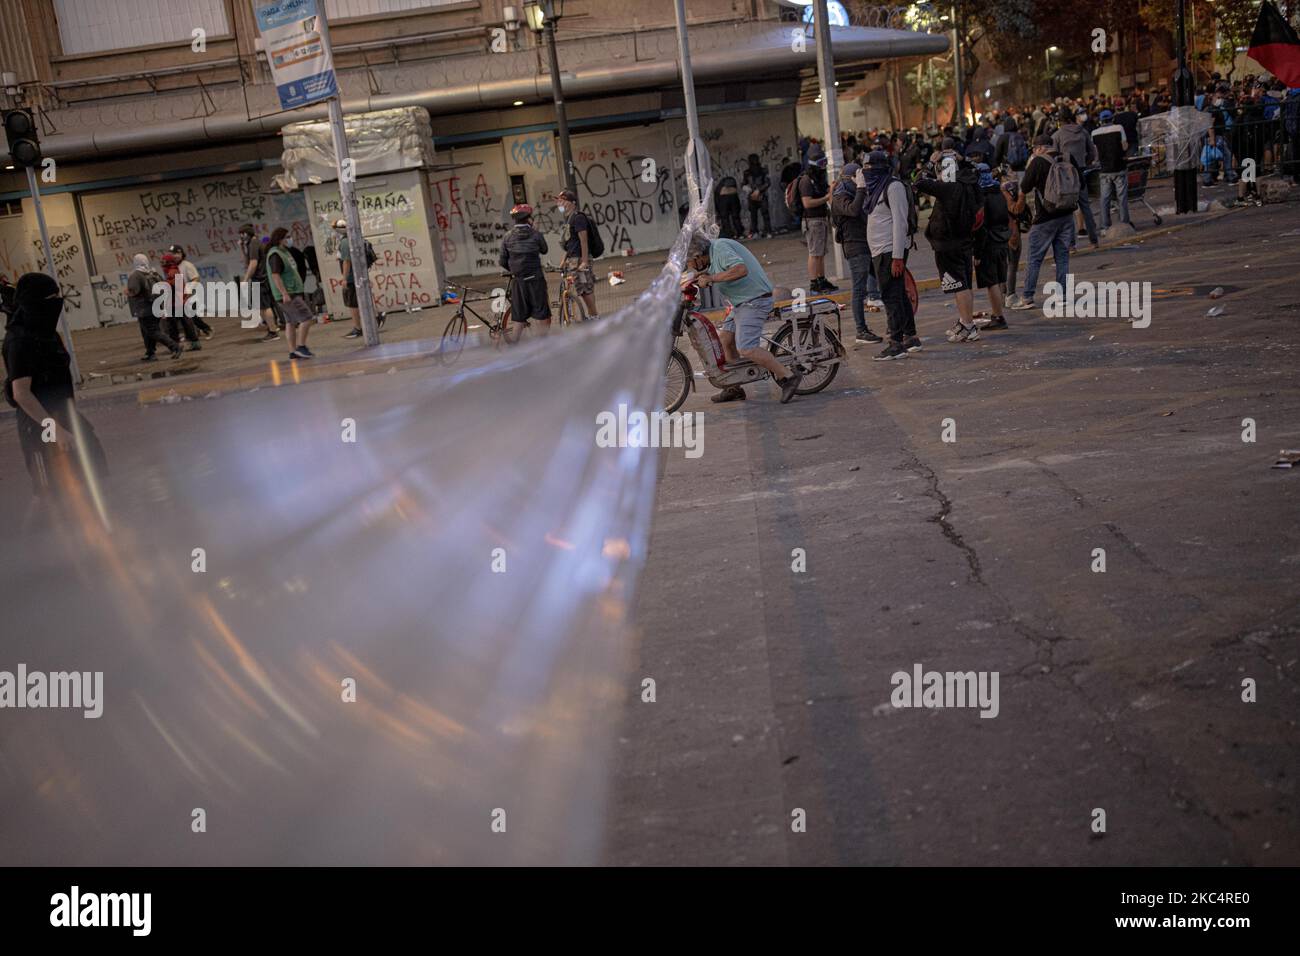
850	224
1034	181
997	222
1112	146
522	251
1129	120
940	230
756	178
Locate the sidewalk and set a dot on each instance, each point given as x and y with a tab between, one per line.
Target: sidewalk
236	358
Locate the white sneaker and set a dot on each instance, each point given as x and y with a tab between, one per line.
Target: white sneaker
1024	305
875	303
1011	300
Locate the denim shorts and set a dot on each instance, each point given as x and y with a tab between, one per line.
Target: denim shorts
746	320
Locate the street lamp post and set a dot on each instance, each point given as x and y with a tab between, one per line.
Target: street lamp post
1051	74
541	17
958	72
1185	198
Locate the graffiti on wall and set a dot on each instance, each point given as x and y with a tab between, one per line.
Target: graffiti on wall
203	216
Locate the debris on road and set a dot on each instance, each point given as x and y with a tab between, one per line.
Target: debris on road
1288	458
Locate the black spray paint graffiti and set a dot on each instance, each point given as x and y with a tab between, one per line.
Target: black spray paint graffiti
619	198
731	158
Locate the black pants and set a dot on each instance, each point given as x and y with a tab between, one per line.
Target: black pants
893	292
153	335
754	209
729	217
174	324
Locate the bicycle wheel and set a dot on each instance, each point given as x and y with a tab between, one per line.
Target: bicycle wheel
453	338
677	383
823	371
577	308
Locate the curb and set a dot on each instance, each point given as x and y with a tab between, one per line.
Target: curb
279	373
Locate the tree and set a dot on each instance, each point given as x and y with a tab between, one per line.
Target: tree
1004	26
1233	19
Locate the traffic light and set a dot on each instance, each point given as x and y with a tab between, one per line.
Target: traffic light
20	132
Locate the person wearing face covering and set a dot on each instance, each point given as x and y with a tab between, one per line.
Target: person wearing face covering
848	200
139	295
38	383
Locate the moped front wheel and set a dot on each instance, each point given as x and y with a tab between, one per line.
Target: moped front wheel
677	382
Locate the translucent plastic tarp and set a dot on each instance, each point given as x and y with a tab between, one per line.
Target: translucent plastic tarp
469	562
382	141
1179	133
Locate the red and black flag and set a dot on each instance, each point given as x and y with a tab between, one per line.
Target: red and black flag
1275	46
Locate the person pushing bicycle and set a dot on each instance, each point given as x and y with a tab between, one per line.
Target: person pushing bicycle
521	256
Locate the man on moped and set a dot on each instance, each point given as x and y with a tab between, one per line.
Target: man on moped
731	267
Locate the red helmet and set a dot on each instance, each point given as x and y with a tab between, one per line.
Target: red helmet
521	210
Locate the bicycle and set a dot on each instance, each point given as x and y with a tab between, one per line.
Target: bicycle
457	330
569	306
803	342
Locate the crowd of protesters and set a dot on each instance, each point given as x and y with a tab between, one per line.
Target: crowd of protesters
1007	161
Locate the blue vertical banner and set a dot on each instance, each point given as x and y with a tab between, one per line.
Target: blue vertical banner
301	64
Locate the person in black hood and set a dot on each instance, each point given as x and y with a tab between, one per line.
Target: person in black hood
38	383
849	219
957	217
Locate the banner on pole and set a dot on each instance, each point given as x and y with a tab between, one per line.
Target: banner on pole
301	63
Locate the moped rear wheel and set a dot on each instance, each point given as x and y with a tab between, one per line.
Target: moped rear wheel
821	374
677	382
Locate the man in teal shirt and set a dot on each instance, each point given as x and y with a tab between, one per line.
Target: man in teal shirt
731	267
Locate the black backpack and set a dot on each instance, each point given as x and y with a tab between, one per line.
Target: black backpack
968	216
595	244
911	210
371	258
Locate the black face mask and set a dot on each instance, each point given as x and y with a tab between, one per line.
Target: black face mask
45	313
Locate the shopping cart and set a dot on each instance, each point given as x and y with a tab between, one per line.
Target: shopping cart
1139	169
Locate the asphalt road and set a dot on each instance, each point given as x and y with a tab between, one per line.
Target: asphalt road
1119	691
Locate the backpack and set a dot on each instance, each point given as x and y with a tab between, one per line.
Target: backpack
966	216
1061	191
371	258
595	244
911	210
792	204
1017	151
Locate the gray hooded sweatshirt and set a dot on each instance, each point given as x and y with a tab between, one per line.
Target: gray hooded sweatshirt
1072	140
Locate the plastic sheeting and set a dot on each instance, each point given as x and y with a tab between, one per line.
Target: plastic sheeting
1180	132
469	561
383	141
